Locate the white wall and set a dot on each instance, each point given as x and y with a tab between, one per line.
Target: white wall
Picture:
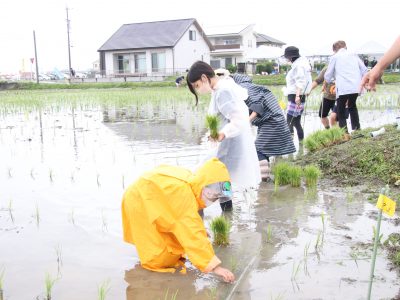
186	52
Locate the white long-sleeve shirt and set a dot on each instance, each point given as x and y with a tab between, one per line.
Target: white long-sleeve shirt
299	77
347	70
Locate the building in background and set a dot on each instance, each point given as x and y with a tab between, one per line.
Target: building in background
154	49
233	44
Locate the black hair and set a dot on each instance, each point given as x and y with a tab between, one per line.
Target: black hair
293	59
196	71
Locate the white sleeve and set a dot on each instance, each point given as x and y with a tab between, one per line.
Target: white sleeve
232	111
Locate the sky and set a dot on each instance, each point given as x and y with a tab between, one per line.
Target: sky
310	25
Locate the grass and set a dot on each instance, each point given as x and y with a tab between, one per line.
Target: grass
295	173
212	123
173	295
103	290
311	174
269	233
220	227
49	284
281	172
361	160
324	138
1	278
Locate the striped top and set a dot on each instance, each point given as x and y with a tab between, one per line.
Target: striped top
273	135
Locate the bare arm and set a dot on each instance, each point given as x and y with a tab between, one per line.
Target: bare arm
369	80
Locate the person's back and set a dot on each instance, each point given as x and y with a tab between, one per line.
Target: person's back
347	72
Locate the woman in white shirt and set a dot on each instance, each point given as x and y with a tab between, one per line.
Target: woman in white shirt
298	84
236	147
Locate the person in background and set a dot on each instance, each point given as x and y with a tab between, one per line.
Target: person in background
179	81
236	147
160	217
347	69
298	84
369	80
273	135
328	100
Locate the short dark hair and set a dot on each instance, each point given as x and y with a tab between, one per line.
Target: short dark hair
196	71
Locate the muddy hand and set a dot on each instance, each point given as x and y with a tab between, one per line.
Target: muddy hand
226	275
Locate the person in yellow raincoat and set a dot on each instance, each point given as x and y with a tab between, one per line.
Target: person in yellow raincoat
160	216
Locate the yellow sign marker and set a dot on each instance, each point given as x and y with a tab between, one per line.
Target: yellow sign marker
387	205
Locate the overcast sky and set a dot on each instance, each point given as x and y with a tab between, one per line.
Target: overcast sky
309	24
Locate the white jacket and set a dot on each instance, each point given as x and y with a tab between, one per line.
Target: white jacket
299	76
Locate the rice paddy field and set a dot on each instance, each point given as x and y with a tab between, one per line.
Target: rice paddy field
68	155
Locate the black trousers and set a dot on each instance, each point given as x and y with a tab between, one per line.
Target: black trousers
353	111
296	123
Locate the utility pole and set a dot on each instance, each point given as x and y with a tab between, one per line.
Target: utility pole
69	46
37	67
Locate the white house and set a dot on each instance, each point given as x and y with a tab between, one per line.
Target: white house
233	45
154	48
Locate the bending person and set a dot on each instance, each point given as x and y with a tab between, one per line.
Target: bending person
160	217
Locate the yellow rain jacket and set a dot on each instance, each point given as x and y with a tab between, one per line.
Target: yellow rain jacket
160	216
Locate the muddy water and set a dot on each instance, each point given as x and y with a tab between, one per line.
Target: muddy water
62	176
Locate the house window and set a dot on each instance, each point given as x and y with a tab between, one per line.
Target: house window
250	43
192	35
123	64
215	63
140	62
158	62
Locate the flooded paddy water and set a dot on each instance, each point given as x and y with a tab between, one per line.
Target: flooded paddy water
66	160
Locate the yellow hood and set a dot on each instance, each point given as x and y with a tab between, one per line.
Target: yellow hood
211	171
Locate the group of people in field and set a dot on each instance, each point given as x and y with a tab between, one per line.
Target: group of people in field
160	211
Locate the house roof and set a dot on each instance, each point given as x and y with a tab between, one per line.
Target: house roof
262	38
160	34
227	29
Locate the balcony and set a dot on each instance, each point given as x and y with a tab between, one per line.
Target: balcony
227	47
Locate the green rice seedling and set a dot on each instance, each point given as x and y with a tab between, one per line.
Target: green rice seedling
310	144
322	137
37	215
212	293
311	173
103	290
59	258
103	221
281	173
220	227
295	270
212	123
72	216
305	259
173	296
349	195
336	133
98	180
49	284
295	173
354	256
280	296
51	175
269	233
2	278
233	263
323	222
10	209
